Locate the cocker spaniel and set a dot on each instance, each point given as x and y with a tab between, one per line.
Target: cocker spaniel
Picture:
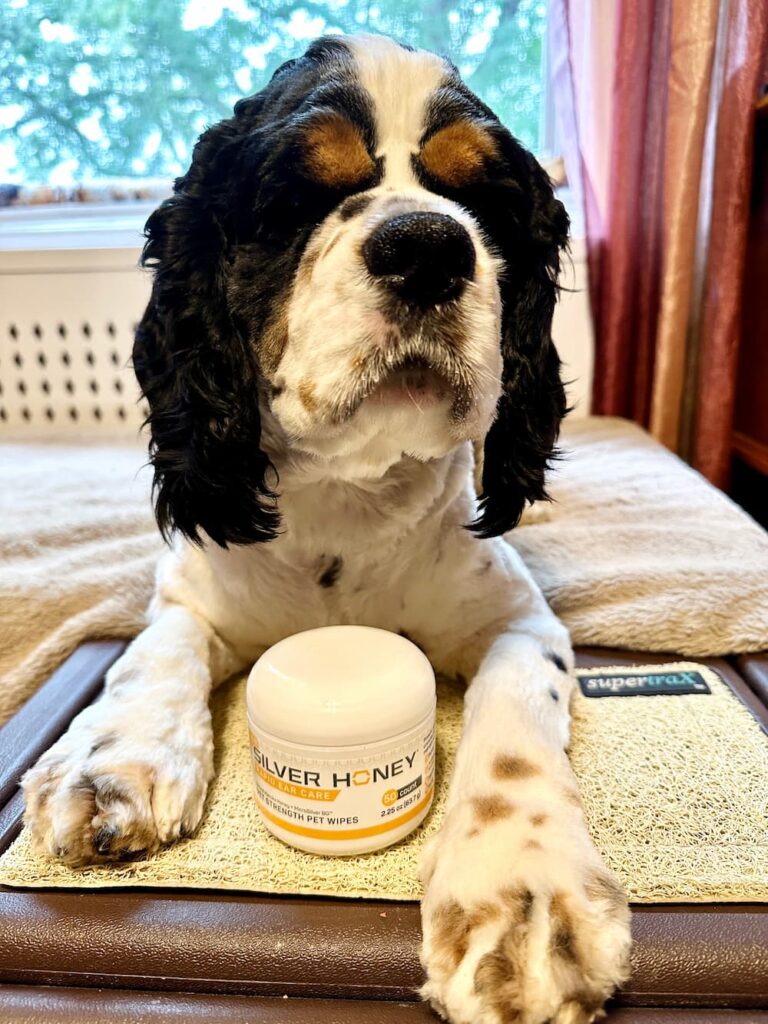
353	283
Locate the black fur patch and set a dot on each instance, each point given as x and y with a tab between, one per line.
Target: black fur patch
104	838
332	573
105	741
557	661
354	205
453	102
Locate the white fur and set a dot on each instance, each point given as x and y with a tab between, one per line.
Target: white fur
387	491
383	67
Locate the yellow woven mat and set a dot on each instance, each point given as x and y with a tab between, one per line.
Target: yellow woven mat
675	790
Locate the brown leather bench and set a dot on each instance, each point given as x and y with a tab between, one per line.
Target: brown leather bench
754	669
161	955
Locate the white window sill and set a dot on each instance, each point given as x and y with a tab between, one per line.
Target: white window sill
79	226
120	226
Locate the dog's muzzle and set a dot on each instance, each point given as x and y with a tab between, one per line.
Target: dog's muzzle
425	258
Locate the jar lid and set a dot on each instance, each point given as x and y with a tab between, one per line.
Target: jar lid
340	686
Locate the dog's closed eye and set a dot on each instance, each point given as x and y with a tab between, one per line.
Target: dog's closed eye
459	153
335	154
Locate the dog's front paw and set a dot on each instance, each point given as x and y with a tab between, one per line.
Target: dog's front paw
522	921
119	783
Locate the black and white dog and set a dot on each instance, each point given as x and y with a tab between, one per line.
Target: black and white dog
354	282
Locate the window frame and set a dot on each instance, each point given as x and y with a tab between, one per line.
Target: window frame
119	223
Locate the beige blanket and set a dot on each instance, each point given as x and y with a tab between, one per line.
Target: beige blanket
78	546
636	552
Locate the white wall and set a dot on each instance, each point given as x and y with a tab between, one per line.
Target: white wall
572	330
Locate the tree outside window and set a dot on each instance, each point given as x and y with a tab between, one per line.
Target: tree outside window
98	89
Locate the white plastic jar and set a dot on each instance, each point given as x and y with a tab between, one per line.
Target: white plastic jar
342	727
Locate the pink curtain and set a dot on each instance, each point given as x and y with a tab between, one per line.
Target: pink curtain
665	201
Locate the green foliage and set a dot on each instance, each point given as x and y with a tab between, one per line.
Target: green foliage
122	88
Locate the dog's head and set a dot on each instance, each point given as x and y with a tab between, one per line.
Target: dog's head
366	258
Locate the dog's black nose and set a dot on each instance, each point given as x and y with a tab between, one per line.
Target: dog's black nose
427	258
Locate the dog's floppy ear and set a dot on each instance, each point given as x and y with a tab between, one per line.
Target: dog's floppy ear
522	438
198	375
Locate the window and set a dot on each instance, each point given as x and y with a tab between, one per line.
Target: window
98	90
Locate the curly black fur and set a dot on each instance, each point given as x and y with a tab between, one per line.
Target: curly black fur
528	228
522	440
223	248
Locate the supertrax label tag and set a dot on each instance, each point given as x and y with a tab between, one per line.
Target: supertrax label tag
650	684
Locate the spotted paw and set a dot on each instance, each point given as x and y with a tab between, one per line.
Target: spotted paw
522	921
118	785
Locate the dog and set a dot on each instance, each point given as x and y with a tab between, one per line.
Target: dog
353	291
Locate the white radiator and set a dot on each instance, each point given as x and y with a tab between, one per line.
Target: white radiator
66	332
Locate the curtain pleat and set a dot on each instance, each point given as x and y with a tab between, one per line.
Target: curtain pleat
693	35
612	254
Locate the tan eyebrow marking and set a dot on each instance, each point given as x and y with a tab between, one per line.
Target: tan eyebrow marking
335	154
458	153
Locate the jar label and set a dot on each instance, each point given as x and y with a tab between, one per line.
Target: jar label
344	798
